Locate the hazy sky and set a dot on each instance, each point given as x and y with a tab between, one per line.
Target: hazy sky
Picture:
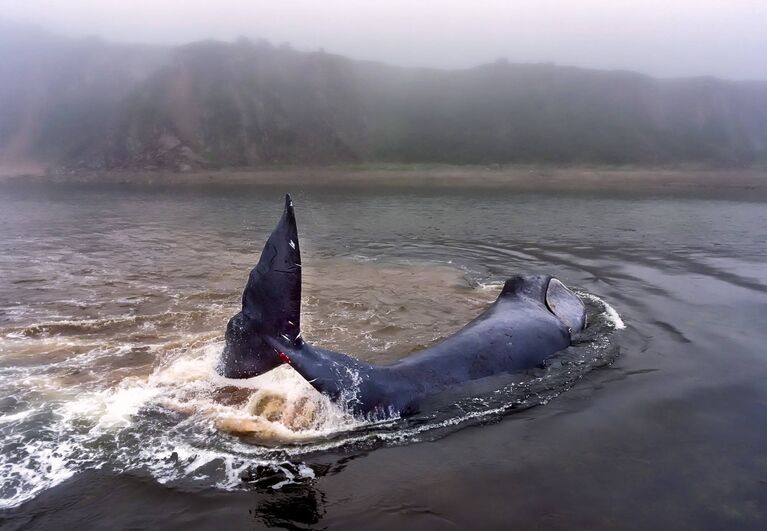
727	38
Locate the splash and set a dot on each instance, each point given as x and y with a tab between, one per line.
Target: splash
171	424
611	314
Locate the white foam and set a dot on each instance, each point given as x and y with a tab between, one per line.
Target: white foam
489	285
611	314
113	407
21	415
38	466
83	422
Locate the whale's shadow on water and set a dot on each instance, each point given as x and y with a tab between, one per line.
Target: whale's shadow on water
295	507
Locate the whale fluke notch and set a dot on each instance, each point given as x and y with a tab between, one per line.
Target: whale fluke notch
272	296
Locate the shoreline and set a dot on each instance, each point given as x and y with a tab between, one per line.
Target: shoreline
749	184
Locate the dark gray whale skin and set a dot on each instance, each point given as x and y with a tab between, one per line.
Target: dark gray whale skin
531	320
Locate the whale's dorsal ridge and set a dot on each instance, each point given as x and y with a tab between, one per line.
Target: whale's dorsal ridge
272	296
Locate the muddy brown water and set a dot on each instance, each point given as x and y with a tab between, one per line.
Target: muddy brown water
113	302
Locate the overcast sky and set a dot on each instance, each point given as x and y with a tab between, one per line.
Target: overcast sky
727	38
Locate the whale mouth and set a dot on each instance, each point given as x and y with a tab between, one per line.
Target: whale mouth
565	305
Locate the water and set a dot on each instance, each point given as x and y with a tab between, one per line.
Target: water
113	303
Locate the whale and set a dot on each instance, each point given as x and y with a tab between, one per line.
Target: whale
534	317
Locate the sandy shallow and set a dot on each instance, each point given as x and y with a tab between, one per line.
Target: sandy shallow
744	184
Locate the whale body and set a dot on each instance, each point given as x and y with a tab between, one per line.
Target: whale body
533	318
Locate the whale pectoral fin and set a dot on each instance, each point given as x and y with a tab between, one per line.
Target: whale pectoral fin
566	305
272	296
550	292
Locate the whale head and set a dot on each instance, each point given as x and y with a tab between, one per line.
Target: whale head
271	305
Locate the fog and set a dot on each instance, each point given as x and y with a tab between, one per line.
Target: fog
662	38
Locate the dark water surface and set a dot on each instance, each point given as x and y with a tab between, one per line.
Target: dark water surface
113	303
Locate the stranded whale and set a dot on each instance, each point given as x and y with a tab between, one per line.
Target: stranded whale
533	318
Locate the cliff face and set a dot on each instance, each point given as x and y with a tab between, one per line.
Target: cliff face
241	104
59	98
92	105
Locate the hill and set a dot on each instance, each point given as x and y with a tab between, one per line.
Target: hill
89	104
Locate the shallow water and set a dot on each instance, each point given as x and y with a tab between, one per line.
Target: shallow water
113	306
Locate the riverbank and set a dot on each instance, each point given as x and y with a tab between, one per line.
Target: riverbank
747	184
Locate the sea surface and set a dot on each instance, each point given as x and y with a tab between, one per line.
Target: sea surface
114	301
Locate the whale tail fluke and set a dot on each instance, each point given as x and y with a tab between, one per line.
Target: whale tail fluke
271	305
272	296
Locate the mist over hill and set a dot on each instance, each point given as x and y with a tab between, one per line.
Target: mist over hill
88	104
